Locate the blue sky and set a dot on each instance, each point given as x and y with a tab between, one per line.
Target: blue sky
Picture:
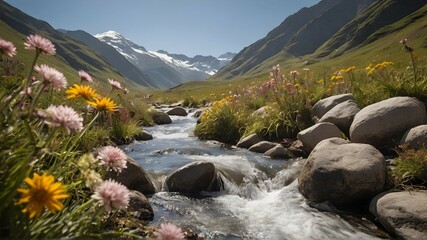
206	27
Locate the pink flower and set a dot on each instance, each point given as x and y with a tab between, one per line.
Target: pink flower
7	48
169	231
40	44
115	84
84	76
113	157
294	73
63	116
112	195
52	76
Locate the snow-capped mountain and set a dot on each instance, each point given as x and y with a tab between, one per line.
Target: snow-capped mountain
173	69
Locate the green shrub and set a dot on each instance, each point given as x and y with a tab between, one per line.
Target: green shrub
94	137
224	122
123	131
277	124
140	110
190	101
411	167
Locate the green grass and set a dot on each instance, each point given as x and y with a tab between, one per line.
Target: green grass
411	168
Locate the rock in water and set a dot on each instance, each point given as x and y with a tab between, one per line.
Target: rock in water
248	141
161	118
133	177
342	173
140	207
262	146
402	213
177	111
193	178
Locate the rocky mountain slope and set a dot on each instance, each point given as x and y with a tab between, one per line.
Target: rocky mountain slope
71	55
168	69
326	29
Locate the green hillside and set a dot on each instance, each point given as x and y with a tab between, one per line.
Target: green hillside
380	45
71	56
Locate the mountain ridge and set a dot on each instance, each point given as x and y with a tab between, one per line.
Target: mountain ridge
172	69
71	55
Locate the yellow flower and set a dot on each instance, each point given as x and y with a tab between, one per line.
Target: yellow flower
349	69
43	191
85	92
105	104
320	81
297	86
336	77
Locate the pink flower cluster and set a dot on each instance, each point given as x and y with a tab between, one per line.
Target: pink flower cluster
84	76
63	116
40	44
113	157
169	231
112	195
115	84
52	76
7	48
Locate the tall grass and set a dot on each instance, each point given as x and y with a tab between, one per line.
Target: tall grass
37	142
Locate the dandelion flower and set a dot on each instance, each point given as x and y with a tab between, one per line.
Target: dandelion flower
103	104
169	231
7	48
112	195
43	191
113	157
52	76
84	76
63	116
40	44
115	84
85	92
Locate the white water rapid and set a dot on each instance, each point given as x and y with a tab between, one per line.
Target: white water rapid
260	199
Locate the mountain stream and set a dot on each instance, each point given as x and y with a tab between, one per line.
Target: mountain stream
260	199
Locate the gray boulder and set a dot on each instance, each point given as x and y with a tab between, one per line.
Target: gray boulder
416	137
402	213
193	178
342	173
140	207
248	141
177	111
160	118
260	112
311	136
133	177
379	123
262	146
143	136
199	112
279	152
326	104
342	115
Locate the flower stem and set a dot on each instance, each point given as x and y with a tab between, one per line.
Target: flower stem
414	66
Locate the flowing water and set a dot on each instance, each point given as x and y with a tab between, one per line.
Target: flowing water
260	199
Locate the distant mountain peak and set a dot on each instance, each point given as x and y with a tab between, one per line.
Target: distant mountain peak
110	34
